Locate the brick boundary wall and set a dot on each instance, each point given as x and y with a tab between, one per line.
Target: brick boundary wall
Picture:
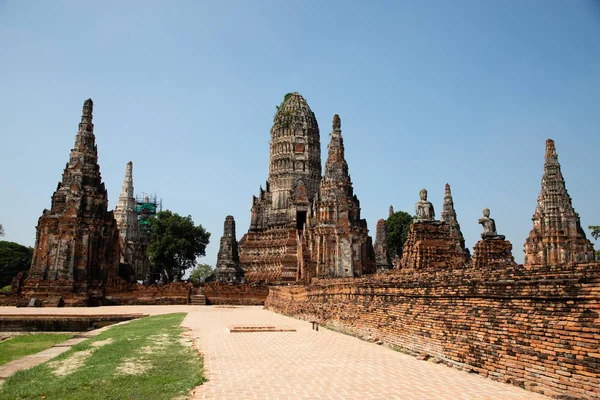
239	294
536	329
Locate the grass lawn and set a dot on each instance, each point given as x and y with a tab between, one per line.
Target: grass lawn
144	359
24	345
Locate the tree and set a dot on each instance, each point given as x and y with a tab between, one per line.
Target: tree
595	234
397	225
595	231
200	273
1	230
14	258
175	243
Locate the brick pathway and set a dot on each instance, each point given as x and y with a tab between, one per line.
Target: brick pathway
306	364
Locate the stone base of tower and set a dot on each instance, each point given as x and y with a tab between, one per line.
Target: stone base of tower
270	256
541	251
493	253
430	245
61	292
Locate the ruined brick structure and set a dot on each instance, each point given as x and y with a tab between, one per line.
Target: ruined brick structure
382	256
338	239
228	267
77	242
304	225
132	243
557	237
269	251
449	217
538	328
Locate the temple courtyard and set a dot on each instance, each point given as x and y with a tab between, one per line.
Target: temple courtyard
295	361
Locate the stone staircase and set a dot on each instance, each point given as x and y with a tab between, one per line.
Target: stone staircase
198	298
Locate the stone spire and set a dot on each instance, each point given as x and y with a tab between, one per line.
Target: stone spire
557	237
81	178
77	238
449	217
336	167
339	229
295	159
382	257
228	260
391	211
125	210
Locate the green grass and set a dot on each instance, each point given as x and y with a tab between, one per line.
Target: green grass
21	346
166	369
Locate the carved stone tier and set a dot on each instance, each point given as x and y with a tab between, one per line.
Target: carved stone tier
270	256
77	239
430	245
492	254
228	260
557	237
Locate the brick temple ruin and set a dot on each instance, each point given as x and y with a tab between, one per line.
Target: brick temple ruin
303	224
535	325
135	263
85	254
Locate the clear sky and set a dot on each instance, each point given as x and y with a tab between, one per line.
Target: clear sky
429	92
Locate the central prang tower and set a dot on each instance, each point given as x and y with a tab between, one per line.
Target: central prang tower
279	213
294	168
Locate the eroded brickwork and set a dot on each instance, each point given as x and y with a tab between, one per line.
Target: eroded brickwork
304	225
431	246
269	250
382	256
228	267
77	242
220	293
538	332
557	237
338	239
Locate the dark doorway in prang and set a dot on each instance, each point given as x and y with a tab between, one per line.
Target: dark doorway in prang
300	220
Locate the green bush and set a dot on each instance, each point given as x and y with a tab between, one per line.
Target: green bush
6	290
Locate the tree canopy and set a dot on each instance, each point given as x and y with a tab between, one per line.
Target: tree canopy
200	273
14	258
1	230
595	231
175	243
397	225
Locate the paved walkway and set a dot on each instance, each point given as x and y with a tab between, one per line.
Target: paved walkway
306	364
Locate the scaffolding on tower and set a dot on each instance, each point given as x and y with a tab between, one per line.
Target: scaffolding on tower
146	206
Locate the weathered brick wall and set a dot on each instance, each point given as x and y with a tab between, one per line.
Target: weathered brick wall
536	329
218	293
119	292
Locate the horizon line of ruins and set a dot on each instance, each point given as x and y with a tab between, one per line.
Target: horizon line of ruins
303	224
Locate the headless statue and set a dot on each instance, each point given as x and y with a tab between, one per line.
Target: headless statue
423	209
489	226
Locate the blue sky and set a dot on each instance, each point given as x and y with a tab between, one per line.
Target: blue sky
429	92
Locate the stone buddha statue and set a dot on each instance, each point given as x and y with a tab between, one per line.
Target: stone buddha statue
423	209
489	226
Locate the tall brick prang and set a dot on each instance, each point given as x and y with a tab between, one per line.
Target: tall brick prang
382	256
77	242
133	244
557	237
269	251
228	267
449	217
337	235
